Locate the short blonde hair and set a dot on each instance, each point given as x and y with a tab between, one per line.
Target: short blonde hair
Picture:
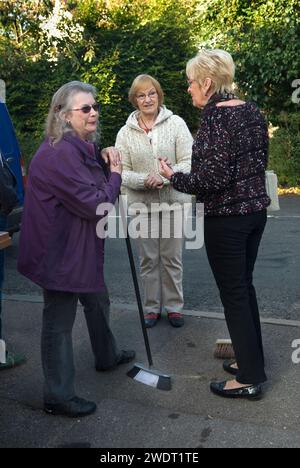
56	125
216	64
139	82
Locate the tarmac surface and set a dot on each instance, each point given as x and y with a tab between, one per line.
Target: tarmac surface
276	272
131	414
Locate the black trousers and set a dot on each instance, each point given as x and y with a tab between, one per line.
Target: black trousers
57	344
232	244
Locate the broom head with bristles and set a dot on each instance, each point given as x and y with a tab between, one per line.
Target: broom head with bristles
224	349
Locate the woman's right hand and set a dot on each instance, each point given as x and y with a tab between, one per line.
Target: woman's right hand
165	170
111	155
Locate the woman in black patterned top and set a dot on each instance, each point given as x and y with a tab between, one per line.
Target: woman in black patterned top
229	159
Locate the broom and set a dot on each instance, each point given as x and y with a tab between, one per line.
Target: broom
224	349
141	373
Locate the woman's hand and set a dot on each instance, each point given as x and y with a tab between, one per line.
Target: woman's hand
166	160
154	181
165	169
116	167
111	156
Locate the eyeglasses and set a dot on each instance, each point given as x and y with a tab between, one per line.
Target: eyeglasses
151	95
190	82
87	109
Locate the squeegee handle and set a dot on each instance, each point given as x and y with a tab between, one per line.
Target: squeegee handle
136	284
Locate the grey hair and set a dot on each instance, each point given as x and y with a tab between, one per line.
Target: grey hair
215	64
56	124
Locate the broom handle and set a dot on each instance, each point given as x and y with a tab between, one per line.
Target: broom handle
135	282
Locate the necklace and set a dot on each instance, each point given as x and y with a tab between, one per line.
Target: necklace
147	129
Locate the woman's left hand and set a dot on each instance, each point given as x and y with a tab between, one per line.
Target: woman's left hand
165	170
111	156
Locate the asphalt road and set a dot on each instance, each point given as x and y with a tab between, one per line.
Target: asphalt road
276	276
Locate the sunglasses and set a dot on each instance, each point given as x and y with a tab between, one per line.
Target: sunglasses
87	109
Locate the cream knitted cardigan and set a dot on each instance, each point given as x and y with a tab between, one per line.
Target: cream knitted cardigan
171	138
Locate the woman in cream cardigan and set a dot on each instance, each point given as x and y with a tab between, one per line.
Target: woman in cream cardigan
152	132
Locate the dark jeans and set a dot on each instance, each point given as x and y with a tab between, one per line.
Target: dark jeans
232	244
57	348
3	223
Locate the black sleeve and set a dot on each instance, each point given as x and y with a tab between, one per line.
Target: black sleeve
215	171
8	195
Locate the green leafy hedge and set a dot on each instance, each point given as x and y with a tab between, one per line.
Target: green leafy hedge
109	43
285	150
117	44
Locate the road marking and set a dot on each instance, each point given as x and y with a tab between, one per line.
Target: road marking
189	312
285	217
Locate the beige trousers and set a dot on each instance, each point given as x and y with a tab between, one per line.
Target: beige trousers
160	252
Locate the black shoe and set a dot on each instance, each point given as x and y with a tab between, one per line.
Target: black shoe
151	319
253	392
126	356
123	358
227	366
175	319
74	408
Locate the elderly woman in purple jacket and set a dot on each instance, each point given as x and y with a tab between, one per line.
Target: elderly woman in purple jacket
59	248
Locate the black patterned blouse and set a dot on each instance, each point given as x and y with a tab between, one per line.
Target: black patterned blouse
230	155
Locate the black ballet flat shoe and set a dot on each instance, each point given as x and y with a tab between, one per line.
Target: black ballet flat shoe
253	392
227	366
